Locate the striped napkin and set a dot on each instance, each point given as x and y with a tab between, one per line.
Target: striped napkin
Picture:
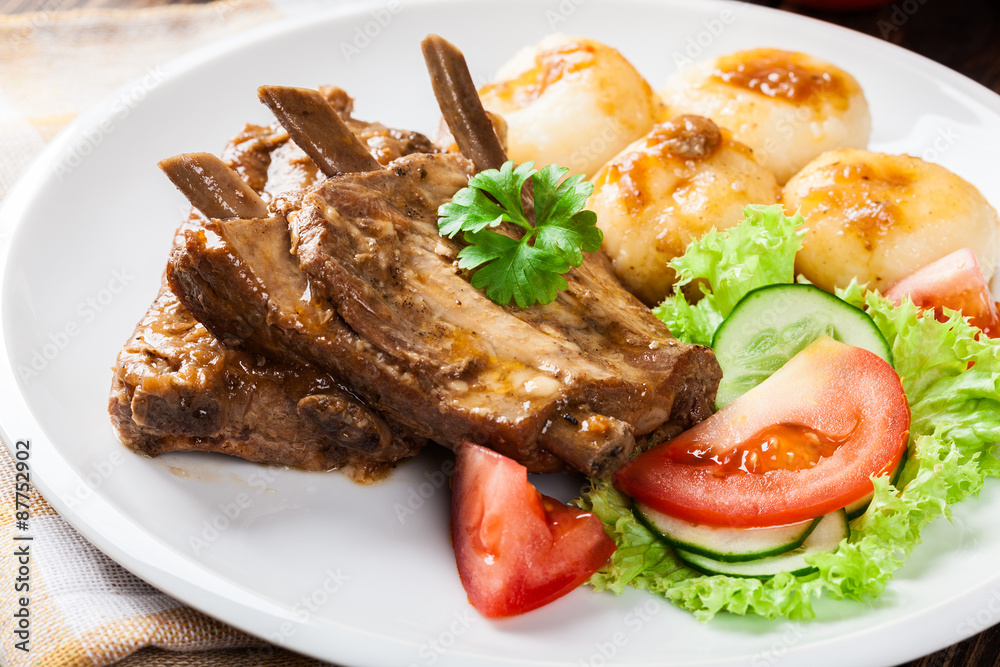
85	610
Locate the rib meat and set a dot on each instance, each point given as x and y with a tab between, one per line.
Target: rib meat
352	275
177	387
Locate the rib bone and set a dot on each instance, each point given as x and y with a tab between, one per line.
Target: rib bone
459	101
213	187
594	444
318	130
386	312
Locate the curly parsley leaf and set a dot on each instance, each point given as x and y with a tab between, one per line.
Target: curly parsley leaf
571	237
512	268
529	269
470	209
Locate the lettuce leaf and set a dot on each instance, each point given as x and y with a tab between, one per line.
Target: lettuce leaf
952	382
758	251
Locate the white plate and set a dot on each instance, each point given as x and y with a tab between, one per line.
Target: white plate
342	572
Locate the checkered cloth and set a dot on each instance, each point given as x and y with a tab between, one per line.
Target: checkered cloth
85	609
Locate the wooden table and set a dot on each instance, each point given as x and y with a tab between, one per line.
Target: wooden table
963	35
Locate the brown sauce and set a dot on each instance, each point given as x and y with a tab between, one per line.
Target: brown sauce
869	196
685	138
551	65
629	173
784	75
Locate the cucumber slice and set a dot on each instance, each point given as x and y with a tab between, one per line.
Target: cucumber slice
859	507
772	324
731	545
827	535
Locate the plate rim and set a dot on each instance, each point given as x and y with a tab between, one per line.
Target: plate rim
241	608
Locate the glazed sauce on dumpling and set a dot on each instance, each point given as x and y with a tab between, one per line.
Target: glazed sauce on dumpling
551	65
784	75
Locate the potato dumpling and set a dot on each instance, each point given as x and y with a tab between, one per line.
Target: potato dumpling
788	107
572	102
881	217
668	188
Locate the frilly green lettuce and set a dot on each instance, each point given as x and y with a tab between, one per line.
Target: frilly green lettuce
951	376
759	251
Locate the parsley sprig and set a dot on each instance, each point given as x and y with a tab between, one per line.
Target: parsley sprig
528	269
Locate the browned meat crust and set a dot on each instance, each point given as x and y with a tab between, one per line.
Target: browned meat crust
177	388
271	164
369	245
390	315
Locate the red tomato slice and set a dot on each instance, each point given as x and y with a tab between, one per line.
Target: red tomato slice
801	444
517	549
956	282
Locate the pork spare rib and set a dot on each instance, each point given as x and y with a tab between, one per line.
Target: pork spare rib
176	387
352	276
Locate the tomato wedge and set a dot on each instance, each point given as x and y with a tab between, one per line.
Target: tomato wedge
955	281
517	549
801	444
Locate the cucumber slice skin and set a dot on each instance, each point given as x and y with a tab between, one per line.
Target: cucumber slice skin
771	324
859	507
826	537
710	541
